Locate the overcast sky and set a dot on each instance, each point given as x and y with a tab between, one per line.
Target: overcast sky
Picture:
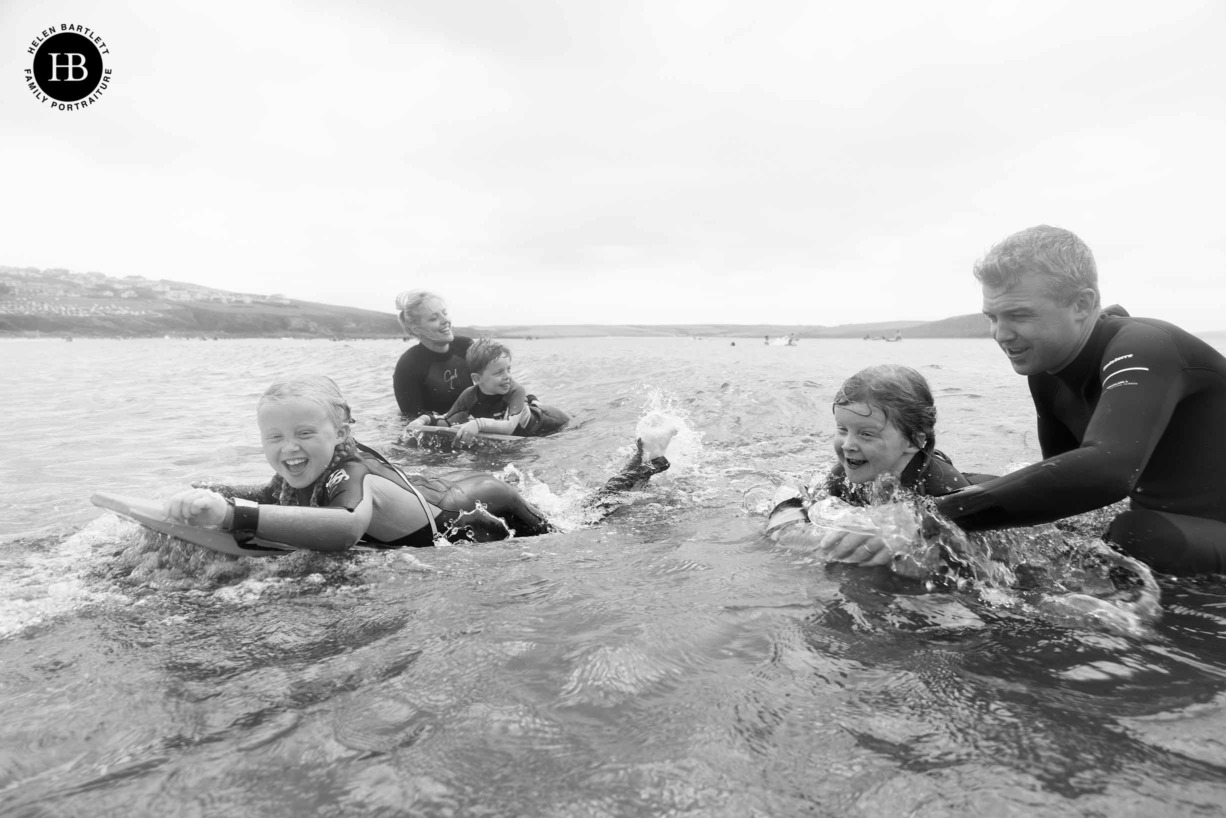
621	162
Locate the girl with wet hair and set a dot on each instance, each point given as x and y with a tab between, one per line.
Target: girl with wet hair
885	422
900	393
884	440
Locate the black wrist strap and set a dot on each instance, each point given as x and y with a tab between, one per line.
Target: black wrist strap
246	515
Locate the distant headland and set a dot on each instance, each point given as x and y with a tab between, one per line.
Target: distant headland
57	302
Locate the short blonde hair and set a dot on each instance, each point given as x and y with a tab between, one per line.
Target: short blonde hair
318	389
1062	261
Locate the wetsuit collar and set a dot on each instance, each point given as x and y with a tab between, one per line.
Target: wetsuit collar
1086	359
1090	327
426	345
913	473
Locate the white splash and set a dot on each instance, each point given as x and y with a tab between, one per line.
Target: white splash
37	587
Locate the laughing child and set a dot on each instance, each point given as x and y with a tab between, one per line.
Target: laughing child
495	402
884	438
331	492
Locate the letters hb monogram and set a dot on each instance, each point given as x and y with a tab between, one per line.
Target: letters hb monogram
71	65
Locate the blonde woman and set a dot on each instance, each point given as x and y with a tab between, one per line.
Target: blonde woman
432	373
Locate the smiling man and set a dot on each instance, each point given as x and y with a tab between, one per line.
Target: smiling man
1127	407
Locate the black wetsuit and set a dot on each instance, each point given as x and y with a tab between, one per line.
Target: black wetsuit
426	381
1139	413
927	475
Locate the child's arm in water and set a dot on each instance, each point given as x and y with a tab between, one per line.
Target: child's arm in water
868	549
648	460
318	529
865	548
458	413
469	429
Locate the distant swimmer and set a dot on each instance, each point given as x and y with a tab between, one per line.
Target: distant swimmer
331	492
1127	407
431	374
494	402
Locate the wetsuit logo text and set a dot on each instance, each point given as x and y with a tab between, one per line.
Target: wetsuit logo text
338	477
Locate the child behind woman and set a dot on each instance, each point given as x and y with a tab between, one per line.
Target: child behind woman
331	492
495	402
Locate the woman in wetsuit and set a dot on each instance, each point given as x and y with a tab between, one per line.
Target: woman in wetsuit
331	492
432	373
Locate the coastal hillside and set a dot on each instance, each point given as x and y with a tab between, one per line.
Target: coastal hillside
60	302
974	325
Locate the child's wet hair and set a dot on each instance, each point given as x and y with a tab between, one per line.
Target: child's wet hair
483	352
323	391
408	303
902	395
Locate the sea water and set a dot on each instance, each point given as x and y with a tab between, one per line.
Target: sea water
669	660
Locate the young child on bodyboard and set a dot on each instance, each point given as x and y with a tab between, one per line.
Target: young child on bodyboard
331	492
495	403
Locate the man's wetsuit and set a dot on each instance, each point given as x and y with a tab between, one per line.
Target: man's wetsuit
426	381
473	403
1139	413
